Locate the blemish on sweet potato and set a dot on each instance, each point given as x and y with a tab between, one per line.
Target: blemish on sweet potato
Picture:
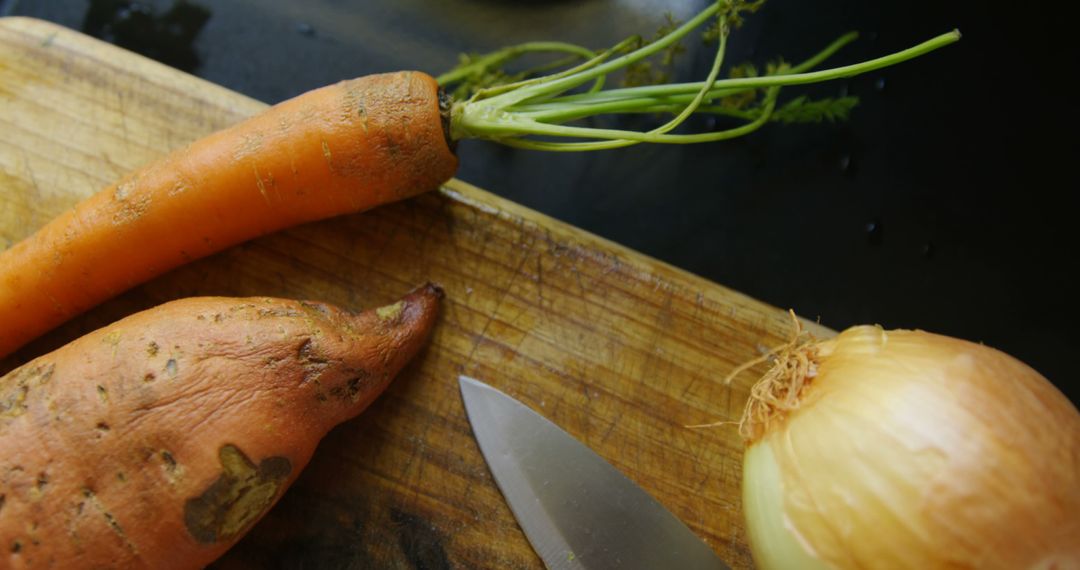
390	312
350	390
312	362
92	498
276	312
17	385
11	404
38	489
172	469
237	498
169	461
320	308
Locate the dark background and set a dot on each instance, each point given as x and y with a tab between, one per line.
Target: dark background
945	203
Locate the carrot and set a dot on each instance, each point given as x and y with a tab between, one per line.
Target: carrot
365	142
159	440
339	149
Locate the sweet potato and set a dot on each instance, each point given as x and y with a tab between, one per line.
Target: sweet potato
158	441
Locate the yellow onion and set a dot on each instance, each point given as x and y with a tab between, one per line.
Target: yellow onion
906	449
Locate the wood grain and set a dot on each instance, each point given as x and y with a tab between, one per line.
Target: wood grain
619	349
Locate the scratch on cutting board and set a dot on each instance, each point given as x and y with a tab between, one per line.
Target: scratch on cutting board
119	104
420	540
118	169
26	194
540	281
29	170
494	312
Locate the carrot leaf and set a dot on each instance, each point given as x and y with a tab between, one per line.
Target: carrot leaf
556	112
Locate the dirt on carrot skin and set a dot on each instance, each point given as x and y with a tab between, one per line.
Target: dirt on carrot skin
99	466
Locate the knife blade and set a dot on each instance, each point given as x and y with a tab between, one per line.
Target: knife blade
575	508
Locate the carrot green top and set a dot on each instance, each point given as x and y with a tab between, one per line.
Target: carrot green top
537	113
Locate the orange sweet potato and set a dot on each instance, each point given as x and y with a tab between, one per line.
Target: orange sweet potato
158	441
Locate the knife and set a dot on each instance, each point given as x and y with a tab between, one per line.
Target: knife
577	511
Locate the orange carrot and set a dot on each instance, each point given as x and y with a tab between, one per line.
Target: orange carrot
158	441
335	150
365	142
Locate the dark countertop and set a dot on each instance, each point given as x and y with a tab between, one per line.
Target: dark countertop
944	203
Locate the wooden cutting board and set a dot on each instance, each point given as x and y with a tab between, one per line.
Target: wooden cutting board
619	349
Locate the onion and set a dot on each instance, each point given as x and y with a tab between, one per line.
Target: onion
906	449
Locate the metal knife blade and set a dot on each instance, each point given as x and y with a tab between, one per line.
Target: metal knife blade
577	510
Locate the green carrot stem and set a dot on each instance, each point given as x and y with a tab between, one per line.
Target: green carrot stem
680	88
725	87
499	57
541	107
565	83
757	123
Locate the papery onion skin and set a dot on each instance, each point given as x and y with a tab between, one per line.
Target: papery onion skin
915	450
